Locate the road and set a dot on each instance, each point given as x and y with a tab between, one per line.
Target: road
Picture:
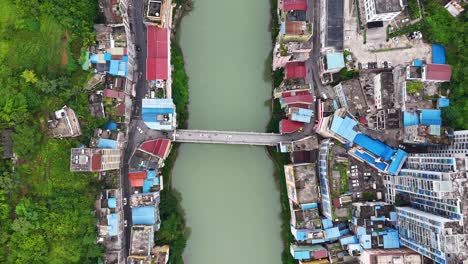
229	137
139	36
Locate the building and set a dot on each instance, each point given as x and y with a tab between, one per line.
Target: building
374	225
350	96
301	183
159	114
157	61
390	256
344	128
429	73
295	70
160	254
438	238
313	252
458	148
141	243
432	183
325	193
63	123
454	7
306	225
94	159
333	62
381	10
159	13
7	144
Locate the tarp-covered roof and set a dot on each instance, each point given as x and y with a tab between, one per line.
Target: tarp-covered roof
112	202
144	215
113	224
443	102
438	54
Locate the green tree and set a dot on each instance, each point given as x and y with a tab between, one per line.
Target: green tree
414	87
13	107
29	76
26	140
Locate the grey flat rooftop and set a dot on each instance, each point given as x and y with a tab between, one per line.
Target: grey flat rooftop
387	6
306	183
141	240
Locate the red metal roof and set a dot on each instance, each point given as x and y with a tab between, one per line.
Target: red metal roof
137	178
113	94
438	72
287	126
157	147
157	69
319	254
96	163
295	5
295	70
305	106
305	99
157	65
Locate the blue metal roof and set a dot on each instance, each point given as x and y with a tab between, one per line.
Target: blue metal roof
283	28
376	147
144	215
344	127
327	223
438	54
332	233
110	126
107	143
393	216
114	67
335	61
94	58
309	206
381	165
107	56
418	63
361	231
365	241
112	203
301	235
410	119
365	156
443	102
348	240
397	162
354	247
113	224
431	117
391	239
303	115
301	254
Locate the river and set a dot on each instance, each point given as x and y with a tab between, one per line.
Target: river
229	194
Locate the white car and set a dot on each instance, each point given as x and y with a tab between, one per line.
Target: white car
139	130
125	223
124	201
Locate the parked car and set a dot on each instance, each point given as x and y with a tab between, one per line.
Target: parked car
125	223
139	130
124	201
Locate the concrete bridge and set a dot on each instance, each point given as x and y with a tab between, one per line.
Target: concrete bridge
229	137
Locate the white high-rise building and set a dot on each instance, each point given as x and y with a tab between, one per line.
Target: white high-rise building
381	10
458	148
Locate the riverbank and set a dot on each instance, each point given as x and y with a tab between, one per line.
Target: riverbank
279	159
173	230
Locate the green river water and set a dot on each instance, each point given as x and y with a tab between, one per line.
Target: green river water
229	194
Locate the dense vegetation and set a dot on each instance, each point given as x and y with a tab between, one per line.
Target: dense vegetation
45	209
440	27
173	231
413	9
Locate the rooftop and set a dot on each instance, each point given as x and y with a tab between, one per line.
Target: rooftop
438	72
302	180
141	160
63	123
350	95
295	70
335	15
144	199
158	147
141	240
306	216
289	5
159	114
387	6
335	61
145	215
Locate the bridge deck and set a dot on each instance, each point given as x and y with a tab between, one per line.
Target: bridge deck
229	137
